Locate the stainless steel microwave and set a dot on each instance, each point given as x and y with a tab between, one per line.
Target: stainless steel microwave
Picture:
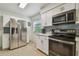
68	16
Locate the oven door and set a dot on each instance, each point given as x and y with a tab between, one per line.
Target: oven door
62	48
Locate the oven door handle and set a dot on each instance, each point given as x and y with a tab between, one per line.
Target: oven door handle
66	42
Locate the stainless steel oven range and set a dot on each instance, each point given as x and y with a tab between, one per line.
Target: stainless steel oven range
61	46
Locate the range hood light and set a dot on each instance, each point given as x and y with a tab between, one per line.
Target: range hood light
22	5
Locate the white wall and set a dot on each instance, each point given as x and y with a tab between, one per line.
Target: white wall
5	39
6	17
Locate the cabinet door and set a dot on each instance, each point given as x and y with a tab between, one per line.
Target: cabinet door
77	13
66	7
43	19
77	46
38	42
49	18
45	45
42	43
63	8
69	6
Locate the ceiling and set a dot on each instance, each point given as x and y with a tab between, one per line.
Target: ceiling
30	10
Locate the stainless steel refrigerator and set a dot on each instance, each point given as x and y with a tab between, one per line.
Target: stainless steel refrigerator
18	31
22	33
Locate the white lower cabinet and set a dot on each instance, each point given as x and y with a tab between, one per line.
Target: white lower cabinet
42	44
45	45
38	42
77	46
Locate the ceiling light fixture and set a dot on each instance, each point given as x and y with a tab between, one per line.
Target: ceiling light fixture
22	5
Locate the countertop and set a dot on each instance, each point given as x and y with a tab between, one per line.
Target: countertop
41	34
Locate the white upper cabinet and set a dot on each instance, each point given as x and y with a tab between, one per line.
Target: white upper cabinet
43	19
63	8
66	7
49	19
77	13
46	19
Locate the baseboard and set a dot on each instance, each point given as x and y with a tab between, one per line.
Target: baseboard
42	52
5	49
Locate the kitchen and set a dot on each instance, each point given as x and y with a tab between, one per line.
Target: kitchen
53	29
58	34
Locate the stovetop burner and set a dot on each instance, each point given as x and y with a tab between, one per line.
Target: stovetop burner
61	37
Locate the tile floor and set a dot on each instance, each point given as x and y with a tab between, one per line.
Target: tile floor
29	50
